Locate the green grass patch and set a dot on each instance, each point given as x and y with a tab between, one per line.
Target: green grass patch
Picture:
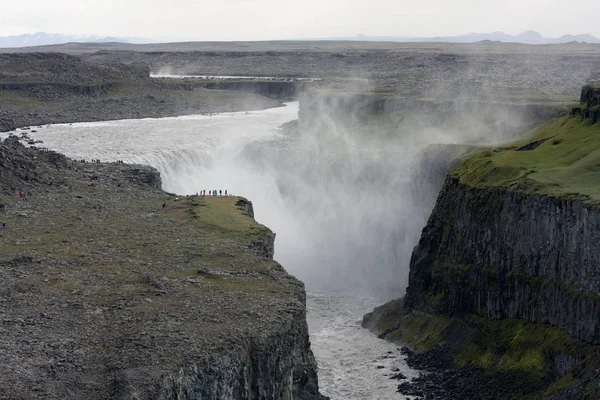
561	384
422	331
517	346
560	158
473	355
220	215
508	345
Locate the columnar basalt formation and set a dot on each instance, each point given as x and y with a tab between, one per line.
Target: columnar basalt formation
505	254
590	97
505	279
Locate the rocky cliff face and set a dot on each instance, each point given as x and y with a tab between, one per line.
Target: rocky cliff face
106	294
505	254
274	89
279	365
505	280
280	90
590	96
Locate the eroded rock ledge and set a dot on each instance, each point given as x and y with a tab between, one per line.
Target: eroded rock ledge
106	295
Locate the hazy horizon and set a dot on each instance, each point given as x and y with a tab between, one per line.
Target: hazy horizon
258	20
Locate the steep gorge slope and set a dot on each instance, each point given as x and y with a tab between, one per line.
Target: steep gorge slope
506	275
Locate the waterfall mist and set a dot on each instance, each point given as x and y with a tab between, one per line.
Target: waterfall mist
347	192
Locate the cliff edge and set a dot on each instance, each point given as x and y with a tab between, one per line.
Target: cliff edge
105	293
505	280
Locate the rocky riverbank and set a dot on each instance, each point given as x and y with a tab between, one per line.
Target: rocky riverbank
107	294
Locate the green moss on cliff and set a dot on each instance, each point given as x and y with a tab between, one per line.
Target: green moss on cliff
561	158
219	215
460	270
521	349
423	331
516	345
563	383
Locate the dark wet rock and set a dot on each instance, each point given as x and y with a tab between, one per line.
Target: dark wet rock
590	96
398	376
246	207
442	381
532	145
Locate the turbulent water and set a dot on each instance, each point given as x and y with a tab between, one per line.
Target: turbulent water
345	215
167	74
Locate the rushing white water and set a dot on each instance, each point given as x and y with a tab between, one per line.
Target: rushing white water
167	74
353	363
330	232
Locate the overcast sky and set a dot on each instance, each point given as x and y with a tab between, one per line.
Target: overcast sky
286	19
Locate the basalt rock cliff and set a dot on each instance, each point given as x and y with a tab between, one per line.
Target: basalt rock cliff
505	279
590	98
505	254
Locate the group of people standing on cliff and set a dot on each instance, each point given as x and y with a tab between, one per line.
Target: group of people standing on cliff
213	192
97	161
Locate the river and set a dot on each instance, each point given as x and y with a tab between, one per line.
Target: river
345	221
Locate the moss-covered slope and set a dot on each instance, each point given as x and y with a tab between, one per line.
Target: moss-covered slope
562	160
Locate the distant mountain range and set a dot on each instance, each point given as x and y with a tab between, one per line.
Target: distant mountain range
43	38
528	37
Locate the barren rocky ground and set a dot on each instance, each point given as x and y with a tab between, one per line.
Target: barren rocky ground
111	81
38	88
105	294
494	73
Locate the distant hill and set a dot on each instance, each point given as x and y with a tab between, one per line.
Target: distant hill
43	39
577	38
528	37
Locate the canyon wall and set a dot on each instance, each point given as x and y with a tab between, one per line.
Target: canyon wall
505	254
506	275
